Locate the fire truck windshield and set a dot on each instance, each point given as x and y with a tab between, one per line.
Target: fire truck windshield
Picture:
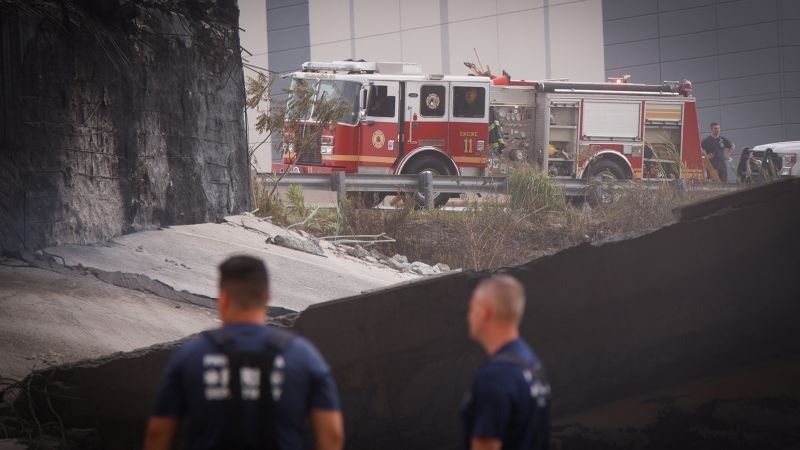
346	92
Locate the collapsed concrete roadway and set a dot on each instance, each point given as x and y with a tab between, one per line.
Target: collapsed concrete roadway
695	315
74	302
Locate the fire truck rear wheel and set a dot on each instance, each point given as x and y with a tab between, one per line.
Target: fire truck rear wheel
366	199
607	170
601	194
435	166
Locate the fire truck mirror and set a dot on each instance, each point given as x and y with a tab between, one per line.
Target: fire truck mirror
362	101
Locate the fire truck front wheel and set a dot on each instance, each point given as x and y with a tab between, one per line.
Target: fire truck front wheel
435	166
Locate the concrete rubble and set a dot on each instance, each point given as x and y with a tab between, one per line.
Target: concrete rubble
396	262
68	303
185	258
628	319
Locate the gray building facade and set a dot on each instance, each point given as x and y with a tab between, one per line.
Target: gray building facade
742	56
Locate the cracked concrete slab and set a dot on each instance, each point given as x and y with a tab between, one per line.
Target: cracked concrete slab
186	258
51	318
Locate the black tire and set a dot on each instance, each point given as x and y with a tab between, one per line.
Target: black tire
366	199
601	173
437	167
606	169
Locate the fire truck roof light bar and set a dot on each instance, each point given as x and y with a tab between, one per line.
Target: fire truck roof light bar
671	87
394	68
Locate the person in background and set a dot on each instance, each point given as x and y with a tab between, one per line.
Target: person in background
743	168
719	150
508	406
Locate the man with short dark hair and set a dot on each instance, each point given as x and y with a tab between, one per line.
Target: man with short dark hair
245	385
718	149
508	406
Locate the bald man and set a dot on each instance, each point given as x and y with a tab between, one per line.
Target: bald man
508	406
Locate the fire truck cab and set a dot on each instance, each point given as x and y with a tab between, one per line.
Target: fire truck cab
402	121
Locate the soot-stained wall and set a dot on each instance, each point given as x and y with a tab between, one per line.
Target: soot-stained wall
708	295
118	116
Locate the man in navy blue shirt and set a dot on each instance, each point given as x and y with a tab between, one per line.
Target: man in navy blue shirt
719	150
228	412
508	406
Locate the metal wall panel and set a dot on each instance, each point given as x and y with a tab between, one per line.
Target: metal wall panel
287	16
696	45
619	9
685	21
696	70
789	9
760	135
672	5
288	60
707	94
746	12
276	4
792	130
743	57
750	37
630	29
751	114
637	53
288	42
790	81
791	59
791	110
755	62
760	85
287	38
790	32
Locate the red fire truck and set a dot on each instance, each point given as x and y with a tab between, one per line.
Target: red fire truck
406	122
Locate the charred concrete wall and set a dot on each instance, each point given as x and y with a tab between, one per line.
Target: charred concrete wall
118	116
707	295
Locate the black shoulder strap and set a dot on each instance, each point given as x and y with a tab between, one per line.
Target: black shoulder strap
536	369
233	425
272	377
277	342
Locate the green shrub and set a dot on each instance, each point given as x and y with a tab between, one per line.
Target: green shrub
532	190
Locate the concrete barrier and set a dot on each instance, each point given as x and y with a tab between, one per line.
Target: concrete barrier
712	293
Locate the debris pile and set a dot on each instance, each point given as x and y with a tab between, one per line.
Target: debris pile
301	241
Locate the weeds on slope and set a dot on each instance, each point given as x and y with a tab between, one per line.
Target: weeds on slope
535	219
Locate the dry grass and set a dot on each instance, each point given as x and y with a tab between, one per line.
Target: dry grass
535	220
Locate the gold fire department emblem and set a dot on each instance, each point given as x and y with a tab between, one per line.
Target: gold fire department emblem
378	139
432	100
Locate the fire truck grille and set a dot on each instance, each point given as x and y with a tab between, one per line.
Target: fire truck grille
310	157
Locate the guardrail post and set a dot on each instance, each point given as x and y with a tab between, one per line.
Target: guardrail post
339	183
426	187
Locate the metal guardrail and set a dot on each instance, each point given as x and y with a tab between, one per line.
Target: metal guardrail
427	184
